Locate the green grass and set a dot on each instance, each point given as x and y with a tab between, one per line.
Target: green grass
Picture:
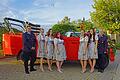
1	52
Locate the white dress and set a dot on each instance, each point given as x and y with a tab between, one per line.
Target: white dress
81	55
41	43
50	47
61	54
91	46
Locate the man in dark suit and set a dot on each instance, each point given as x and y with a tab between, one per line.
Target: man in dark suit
29	49
102	61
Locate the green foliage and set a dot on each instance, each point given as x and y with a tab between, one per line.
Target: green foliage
88	25
2	30
117	45
107	14
66	25
62	28
66	20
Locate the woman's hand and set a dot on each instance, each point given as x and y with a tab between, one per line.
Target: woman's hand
40	50
58	51
46	51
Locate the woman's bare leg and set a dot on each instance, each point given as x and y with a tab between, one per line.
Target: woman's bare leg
82	64
49	65
41	64
91	64
94	62
61	63
58	66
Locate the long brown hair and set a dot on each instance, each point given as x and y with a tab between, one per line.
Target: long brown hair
90	36
56	35
48	33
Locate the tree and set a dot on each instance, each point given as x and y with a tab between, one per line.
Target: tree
84	24
66	25
76	24
66	20
88	25
63	28
107	14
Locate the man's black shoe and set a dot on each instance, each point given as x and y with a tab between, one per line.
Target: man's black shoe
32	69
27	72
102	71
99	70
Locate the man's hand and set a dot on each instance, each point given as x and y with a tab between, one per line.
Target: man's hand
105	52
33	48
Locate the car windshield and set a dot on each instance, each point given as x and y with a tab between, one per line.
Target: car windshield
72	34
66	34
76	34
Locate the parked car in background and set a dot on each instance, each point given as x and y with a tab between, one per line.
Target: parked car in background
72	34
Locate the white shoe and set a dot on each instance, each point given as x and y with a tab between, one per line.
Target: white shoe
59	71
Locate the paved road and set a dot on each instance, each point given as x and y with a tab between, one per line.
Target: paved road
10	69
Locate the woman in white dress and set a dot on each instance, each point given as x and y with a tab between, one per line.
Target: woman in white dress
59	51
49	48
41	48
92	49
83	50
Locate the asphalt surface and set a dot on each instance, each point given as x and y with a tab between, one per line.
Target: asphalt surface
11	69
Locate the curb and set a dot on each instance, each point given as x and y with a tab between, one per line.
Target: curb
3	57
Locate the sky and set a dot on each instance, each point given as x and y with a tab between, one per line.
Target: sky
45	11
